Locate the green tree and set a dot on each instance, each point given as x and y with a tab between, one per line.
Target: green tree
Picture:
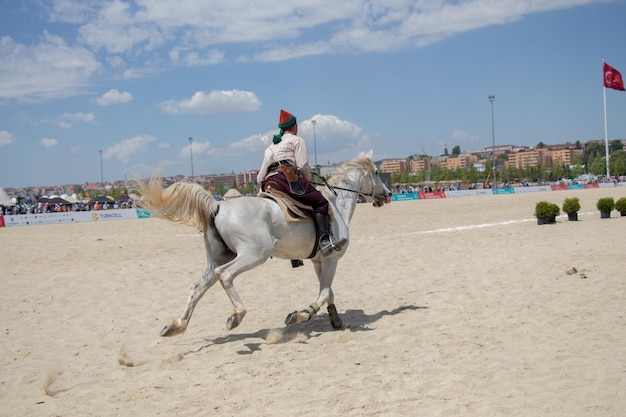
617	163
576	171
558	171
615	145
542	172
436	173
115	192
220	188
456	151
595	149
248	189
596	165
472	175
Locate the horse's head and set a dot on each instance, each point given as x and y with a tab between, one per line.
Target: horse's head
373	186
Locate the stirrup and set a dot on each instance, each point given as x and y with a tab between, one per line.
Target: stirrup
326	247
338	244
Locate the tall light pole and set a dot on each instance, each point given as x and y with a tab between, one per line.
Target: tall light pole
191	154
493	142
314	122
101	171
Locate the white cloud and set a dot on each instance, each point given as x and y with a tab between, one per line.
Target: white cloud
334	138
231	101
6	138
49	69
114	96
125	149
462	136
199	148
135	38
48	143
117	30
195	59
70	119
72	11
197	26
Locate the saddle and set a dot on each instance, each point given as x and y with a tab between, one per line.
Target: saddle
293	210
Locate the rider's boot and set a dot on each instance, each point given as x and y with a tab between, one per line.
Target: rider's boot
326	243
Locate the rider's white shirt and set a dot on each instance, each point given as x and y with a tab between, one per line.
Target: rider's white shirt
291	148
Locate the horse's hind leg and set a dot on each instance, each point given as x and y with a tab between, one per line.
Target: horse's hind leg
197	291
244	261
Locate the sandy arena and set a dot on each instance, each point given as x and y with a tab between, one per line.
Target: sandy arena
457	307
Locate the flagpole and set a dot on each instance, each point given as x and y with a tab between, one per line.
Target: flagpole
606	129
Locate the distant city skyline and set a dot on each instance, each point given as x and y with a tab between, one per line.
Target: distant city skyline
250	174
136	80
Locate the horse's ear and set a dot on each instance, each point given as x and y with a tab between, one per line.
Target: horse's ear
369	154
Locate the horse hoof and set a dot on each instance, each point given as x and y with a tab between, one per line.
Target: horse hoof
168	331
292	318
335	320
232	322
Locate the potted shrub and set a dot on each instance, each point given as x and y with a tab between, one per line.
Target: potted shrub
605	205
546	212
571	206
620	205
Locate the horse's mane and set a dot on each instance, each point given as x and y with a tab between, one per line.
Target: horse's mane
363	163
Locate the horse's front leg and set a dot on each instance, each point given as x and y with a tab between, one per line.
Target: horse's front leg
325	271
197	291
296	317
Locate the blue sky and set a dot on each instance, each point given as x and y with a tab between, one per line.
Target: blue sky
136	79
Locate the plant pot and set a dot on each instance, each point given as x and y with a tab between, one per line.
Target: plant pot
622	213
542	220
572	217
605	214
551	219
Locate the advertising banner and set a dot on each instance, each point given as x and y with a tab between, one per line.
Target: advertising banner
404	197
505	190
533	189
560	187
461	193
69	217
431	195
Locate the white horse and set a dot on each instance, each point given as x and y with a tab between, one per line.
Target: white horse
242	233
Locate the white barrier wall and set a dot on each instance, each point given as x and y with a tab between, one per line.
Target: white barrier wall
72	217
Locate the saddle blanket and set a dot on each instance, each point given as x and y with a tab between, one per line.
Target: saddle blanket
293	211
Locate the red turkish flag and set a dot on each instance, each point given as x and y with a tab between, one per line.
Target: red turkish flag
612	78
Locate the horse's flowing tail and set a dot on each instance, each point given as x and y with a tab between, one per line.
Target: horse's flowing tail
181	202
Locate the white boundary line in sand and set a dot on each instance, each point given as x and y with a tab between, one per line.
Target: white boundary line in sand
461	228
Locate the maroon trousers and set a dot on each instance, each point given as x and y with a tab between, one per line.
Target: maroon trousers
311	197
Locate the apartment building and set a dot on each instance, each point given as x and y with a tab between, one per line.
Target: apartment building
461	161
566	156
529	158
393	166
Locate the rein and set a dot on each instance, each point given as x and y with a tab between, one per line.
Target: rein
333	188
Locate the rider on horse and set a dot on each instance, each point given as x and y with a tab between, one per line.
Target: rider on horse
286	163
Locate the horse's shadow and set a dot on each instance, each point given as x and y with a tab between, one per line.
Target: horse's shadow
355	321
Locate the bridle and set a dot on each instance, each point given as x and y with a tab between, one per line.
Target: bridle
332	188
